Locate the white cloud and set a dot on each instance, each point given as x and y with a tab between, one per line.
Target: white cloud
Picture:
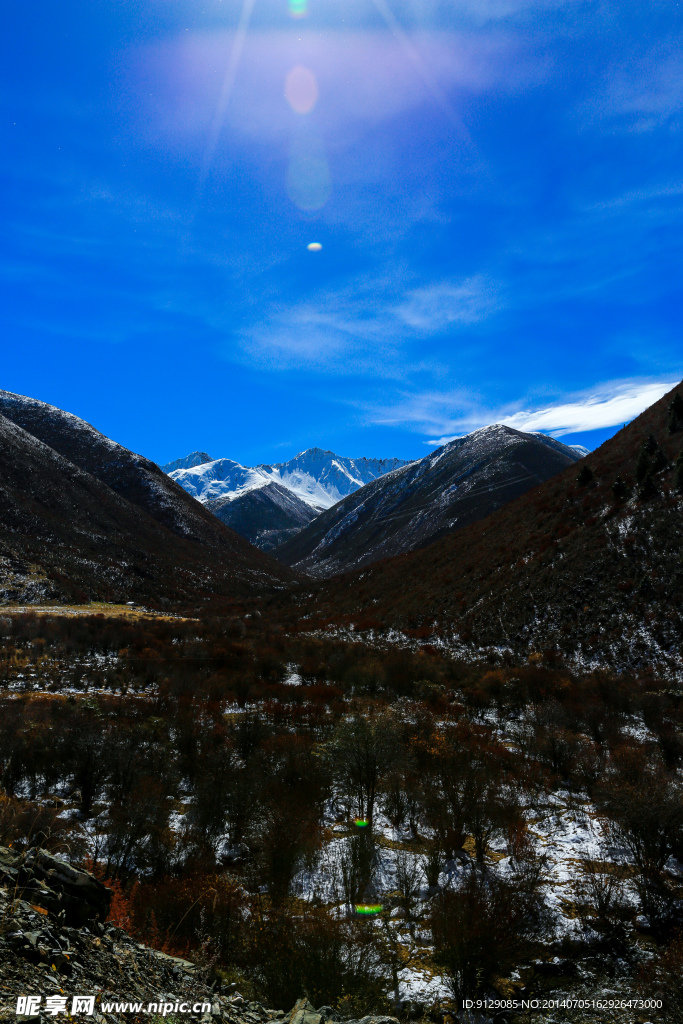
453	414
605	408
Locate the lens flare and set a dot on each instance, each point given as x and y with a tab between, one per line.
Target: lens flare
308	176
362	822
368	909
314	246
301	89
298	8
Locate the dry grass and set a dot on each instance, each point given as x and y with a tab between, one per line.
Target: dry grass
94	608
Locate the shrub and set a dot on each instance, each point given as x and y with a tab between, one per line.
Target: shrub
620	489
484	928
662	978
24	825
312	952
178	914
643	808
602	906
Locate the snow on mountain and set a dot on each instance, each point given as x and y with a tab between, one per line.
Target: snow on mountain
552	442
193	459
265	516
319	478
417	503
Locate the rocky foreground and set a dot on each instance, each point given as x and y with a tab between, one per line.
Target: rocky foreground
55	944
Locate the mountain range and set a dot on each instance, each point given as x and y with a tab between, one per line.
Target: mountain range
352	511
268	504
586	565
417	503
318	478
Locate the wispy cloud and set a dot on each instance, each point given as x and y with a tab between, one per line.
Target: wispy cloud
368	324
364	76
455	413
643	93
447	303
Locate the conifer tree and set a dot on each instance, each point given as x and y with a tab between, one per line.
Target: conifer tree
642	465
675	411
585	476
678	477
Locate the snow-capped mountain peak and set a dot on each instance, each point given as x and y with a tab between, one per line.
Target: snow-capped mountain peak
191	460
318	477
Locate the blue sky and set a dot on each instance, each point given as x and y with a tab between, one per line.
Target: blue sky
496	187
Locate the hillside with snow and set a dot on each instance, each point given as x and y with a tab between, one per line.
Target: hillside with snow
417	503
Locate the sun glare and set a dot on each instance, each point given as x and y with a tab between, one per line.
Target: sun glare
298	8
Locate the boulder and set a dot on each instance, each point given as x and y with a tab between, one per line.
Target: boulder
304	1013
52	883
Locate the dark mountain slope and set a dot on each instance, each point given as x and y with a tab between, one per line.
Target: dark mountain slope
589	567
130	475
66	535
416	504
265	516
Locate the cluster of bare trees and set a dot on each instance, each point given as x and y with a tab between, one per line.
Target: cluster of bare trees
208	787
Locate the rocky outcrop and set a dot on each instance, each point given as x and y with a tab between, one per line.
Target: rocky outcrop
70	895
55	942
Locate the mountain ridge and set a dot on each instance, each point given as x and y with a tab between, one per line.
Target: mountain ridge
416	503
265	516
187	462
586	566
118	530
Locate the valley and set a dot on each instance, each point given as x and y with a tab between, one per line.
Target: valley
447	774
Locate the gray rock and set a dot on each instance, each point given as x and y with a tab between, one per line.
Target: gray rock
379	1019
55	885
304	1012
328	1013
